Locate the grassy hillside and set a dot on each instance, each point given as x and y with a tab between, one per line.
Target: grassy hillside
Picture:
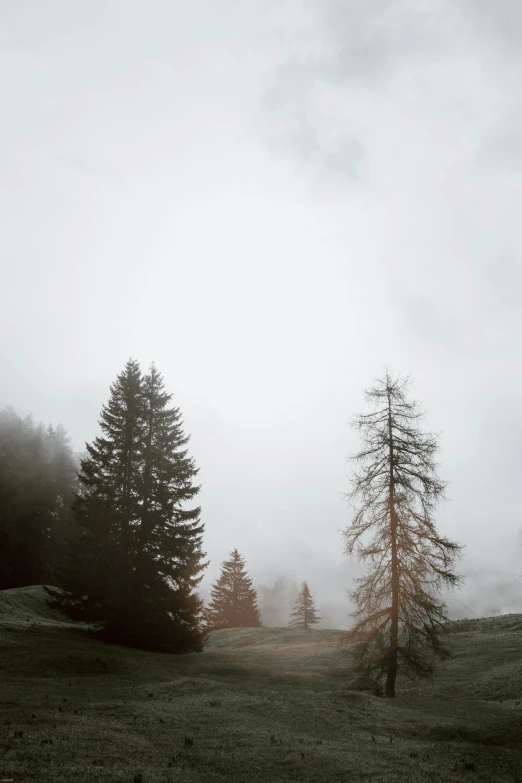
28	605
257	705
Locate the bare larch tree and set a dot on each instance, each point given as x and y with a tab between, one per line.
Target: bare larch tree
399	616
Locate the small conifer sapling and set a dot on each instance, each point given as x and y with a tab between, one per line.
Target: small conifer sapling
233	601
304	614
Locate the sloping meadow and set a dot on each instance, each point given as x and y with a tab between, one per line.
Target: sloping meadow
267	704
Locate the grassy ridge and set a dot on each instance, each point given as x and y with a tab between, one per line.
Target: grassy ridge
28	605
257	705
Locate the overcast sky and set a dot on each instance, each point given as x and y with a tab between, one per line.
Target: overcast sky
273	200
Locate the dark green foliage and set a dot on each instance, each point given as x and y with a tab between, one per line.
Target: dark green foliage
233	601
37	478
97	579
304	613
136	565
168	548
399	615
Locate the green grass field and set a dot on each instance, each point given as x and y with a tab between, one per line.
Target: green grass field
257	705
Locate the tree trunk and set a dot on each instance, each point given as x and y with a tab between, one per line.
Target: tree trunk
394	629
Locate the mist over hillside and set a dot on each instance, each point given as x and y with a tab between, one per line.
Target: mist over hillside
487	589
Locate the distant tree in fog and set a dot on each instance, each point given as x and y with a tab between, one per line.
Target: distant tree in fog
399	616
135	566
37	478
233	602
304	613
276	600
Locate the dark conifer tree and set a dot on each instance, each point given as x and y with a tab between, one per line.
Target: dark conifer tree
399	614
98	576
304	613
168	552
135	566
233	601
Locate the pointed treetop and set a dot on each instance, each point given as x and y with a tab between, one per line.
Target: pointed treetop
304	613
233	599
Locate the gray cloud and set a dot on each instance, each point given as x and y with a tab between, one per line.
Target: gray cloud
347	158
348	45
501	146
497	28
499	22
503	278
32	25
372	39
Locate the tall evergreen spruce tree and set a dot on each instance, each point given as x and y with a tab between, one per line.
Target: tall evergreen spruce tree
233	601
398	612
137	560
168	548
304	613
98	576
